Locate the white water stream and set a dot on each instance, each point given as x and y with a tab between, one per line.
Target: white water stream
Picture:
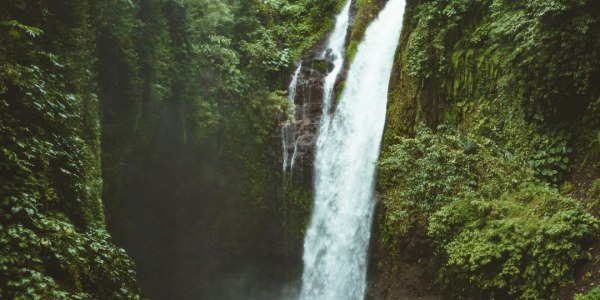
335	52
336	243
291	126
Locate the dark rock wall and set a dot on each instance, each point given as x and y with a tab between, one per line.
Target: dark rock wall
302	131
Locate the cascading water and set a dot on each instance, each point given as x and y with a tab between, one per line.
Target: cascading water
336	243
334	51
293	86
290	127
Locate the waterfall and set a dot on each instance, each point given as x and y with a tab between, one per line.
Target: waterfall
284	146
336	243
290	126
334	52
293	86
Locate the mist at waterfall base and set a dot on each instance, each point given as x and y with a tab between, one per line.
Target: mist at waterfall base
188	234
188	230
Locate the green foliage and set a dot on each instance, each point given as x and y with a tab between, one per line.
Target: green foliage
591	134
263	53
49	258
322	66
53	241
365	12
16	29
523	243
591	295
497	68
551	159
295	204
189	94
301	24
497	230
466	46
519	77
422	174
204	68
593	195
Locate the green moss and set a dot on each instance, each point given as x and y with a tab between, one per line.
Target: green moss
321	65
351	51
365	12
497	230
339	89
295	205
593	196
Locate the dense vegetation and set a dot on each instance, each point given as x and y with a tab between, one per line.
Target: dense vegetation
177	100
198	94
501	184
498	230
153	120
53	239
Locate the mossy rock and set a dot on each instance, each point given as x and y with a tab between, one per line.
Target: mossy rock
322	65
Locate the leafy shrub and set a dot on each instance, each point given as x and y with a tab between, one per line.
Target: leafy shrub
53	260
53	241
498	231
422	174
551	160
507	72
522	244
592	295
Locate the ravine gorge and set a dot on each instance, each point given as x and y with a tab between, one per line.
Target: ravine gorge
300	149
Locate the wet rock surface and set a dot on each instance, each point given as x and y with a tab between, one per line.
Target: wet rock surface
299	136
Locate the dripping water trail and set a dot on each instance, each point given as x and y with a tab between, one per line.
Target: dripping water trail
288	130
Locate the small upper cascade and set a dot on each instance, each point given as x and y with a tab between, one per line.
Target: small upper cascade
335	52
293	86
292	91
294	156
288	128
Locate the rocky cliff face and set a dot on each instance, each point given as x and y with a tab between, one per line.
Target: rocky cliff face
294	139
297	137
